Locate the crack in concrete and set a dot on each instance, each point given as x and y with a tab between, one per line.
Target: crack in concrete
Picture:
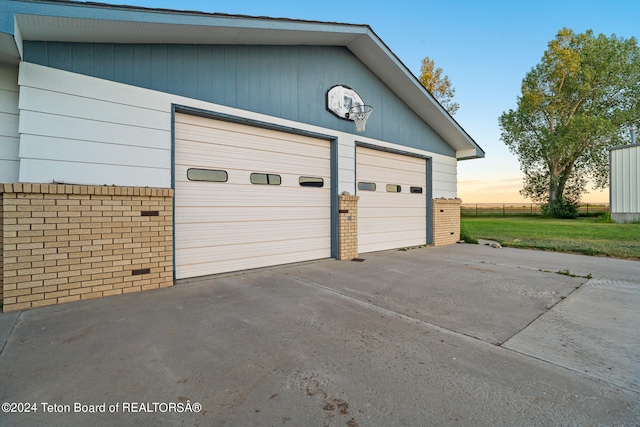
13	327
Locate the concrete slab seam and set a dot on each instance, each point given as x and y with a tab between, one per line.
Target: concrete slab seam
465	337
390	312
549	308
590	284
574	371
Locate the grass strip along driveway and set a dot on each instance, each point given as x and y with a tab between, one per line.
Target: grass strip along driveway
583	235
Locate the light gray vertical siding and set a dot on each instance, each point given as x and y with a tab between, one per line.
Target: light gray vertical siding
282	81
625	182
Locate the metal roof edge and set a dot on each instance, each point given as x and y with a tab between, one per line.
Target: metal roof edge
177	12
620	147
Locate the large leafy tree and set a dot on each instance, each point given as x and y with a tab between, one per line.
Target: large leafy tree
579	100
438	85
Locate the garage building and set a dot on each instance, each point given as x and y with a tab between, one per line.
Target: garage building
140	147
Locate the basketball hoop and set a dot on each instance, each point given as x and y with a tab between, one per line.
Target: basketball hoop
359	114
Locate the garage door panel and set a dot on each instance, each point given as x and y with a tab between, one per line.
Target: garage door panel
242	180
388	220
392	215
253	160
237	174
205	234
227	147
385	161
382	180
398	205
239	201
406	237
226	214
241	263
386	242
235	225
375	224
202	124
284	249
395	174
392	201
230	140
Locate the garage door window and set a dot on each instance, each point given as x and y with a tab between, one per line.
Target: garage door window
367	186
416	190
310	181
266	179
393	188
209	175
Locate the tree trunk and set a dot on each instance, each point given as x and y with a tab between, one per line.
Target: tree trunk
553	189
557	182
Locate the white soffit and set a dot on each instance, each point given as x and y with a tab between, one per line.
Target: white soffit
230	29
217	31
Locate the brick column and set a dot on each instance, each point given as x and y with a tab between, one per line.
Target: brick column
65	243
1	245
348	227
446	221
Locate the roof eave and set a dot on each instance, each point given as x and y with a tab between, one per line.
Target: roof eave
99	23
379	58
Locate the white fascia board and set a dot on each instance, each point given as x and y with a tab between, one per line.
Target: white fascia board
102	24
468	154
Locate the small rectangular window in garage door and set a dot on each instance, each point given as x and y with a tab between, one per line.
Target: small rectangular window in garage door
416	190
367	186
310	181
265	179
210	175
393	188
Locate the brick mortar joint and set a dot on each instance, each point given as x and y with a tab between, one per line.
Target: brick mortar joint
345	198
80	189
444	201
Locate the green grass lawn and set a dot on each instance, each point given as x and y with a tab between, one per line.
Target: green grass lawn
582	235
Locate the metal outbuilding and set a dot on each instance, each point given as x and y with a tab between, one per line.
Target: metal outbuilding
624	194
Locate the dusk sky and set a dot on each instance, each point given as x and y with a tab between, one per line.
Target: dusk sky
485	47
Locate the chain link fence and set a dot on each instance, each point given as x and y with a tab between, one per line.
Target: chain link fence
470	210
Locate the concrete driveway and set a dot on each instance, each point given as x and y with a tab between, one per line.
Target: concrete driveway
455	335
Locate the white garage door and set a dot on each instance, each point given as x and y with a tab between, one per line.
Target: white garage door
392	208
247	197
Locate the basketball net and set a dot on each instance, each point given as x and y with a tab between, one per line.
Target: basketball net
360	114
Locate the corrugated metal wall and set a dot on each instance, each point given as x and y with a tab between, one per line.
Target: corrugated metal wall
625	180
282	81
